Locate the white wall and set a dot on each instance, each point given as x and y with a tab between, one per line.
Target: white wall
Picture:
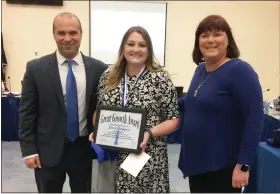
255	24
109	20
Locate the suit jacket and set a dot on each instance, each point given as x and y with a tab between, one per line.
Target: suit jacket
42	111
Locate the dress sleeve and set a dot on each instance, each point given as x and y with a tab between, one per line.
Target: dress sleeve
168	99
247	93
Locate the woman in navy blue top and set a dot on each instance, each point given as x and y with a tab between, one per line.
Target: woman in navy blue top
222	113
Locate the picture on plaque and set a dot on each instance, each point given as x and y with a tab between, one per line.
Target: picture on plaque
119	129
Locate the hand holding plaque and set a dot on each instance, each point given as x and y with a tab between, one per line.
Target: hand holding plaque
119	129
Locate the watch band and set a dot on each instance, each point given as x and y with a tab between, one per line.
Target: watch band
245	167
150	133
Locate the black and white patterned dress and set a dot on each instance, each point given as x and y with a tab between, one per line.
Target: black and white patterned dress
154	92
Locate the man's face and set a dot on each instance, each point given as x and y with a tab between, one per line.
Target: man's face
68	36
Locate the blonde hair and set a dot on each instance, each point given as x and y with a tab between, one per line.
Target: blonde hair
118	69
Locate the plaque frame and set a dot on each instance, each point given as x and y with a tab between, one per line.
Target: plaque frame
141	131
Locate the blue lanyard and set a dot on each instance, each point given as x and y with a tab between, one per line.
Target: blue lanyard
124	85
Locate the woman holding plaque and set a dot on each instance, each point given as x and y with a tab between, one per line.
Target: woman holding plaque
138	81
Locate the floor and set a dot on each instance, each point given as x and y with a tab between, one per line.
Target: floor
17	178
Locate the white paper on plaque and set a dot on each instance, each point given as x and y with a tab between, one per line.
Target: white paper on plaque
134	163
119	129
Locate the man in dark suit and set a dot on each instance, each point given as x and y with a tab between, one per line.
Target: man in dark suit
57	103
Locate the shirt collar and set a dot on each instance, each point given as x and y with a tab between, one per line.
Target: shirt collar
61	59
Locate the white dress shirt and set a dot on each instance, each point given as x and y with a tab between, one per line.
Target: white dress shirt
80	75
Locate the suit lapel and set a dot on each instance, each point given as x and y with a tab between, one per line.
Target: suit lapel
56	82
55	79
89	80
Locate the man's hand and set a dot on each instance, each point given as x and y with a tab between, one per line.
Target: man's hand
239	178
33	162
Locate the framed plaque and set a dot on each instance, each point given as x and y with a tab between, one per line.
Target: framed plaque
119	129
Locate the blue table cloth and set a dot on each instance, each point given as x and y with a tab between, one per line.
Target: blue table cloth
9	124
9	118
265	174
270	124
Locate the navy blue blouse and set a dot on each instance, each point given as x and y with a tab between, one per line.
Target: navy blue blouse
222	124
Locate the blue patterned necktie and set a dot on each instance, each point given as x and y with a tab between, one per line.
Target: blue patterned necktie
72	104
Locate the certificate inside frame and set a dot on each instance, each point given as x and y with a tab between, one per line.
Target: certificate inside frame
119	129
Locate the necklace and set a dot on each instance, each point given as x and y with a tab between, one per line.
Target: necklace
124	85
202	82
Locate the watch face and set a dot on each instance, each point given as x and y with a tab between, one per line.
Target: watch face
244	168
